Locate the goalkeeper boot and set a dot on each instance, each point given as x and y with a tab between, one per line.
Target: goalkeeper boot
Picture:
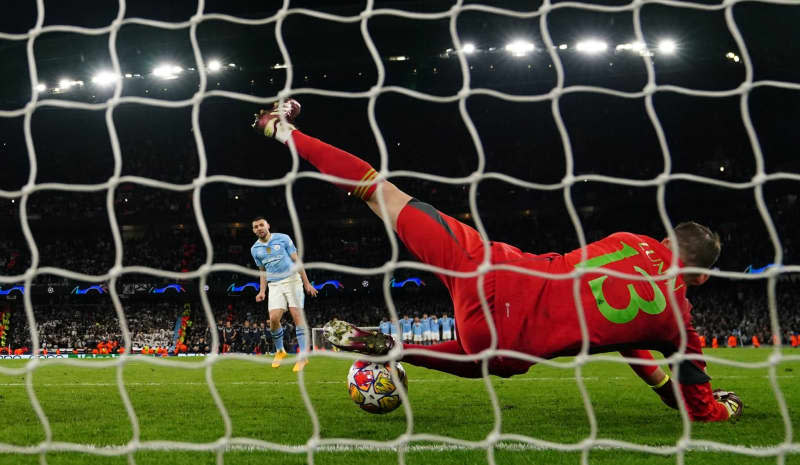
354	339
279	355
268	122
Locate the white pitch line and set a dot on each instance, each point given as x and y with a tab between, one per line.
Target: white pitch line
504	445
418	381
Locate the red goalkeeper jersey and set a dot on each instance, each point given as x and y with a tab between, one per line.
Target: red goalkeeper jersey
538	316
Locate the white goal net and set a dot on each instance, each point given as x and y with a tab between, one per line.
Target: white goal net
538	17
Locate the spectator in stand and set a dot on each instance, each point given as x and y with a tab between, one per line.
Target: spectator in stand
263	339
228	337
244	339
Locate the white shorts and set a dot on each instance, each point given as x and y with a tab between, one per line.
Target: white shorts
434	335
407	336
288	292
418	338
426	335
446	335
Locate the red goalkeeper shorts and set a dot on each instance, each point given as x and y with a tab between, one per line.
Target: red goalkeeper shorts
442	241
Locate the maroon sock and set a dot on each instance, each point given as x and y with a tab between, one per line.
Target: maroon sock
331	160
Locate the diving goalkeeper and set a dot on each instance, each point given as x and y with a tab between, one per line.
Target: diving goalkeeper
534	315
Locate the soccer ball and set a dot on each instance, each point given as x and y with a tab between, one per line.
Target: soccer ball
372	388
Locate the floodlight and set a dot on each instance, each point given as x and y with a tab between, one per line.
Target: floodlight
41	87
167	71
469	48
667	46
519	48
104	78
563	47
64	84
214	65
591	46
634	46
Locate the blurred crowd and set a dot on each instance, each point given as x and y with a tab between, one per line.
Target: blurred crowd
82	327
723	310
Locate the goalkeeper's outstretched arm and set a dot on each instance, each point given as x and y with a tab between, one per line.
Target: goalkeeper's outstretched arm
700	401
654	376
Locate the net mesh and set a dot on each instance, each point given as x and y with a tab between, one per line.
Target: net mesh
315	442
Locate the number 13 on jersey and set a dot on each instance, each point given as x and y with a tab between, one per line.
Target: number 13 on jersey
635	301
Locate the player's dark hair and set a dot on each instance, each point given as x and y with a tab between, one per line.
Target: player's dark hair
698	245
259	218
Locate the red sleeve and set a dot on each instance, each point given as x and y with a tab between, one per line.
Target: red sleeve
696	386
642	370
700	403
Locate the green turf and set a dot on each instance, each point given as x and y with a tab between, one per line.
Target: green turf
83	405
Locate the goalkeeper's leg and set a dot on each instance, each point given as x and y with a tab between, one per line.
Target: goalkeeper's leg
433	237
465	369
331	160
334	161
352	338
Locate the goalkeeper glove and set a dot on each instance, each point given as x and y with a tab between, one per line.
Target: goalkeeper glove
732	403
665	392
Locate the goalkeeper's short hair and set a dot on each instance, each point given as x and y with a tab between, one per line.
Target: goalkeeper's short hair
698	245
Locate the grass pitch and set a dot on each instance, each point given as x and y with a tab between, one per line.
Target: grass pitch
83	405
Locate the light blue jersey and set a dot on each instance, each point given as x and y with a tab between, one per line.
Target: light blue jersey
406	323
274	256
447	324
435	325
426	324
418	329
386	327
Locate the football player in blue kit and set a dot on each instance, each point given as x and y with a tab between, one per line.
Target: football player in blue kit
275	255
